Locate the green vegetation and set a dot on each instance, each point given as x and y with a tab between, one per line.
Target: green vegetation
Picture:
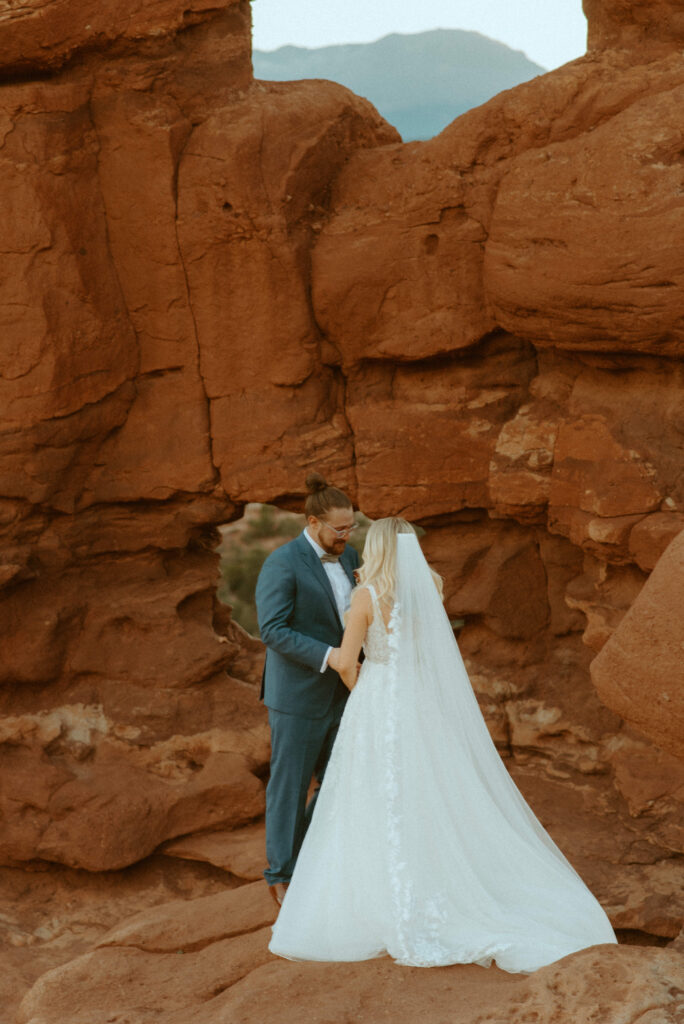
270	523
239	572
245	547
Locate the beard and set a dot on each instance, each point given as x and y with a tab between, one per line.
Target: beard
335	547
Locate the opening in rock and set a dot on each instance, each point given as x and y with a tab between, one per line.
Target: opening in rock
245	545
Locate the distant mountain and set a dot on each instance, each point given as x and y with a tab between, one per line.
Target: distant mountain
419	83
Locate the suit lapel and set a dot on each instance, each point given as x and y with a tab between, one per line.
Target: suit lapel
345	560
314	562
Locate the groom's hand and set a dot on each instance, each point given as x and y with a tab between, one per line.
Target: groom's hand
334	659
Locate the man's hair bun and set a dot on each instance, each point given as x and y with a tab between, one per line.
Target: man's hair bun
315	483
323	496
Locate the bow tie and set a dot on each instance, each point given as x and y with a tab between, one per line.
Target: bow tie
330	558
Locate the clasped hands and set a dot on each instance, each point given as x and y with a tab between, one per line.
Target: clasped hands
334	663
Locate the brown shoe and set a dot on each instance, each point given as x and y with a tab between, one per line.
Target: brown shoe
278	891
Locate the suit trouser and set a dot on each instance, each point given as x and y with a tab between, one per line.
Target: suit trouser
300	750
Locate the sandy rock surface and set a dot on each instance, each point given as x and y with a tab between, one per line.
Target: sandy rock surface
639	670
50	914
46	33
240	851
208	961
103	802
655	28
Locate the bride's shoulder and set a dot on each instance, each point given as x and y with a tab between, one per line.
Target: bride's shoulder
360	608
362	598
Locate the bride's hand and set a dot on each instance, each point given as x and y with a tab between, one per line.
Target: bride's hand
334	659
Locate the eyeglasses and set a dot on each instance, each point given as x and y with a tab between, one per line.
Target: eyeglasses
344	531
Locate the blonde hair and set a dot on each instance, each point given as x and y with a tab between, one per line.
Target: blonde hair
379	566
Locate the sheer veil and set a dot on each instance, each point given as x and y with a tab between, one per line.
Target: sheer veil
441	722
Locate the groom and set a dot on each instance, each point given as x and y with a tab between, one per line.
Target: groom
302	595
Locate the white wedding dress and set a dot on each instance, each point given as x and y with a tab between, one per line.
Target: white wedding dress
421	846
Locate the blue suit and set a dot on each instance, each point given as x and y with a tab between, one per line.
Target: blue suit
298	620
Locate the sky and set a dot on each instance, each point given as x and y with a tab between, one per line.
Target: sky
549	32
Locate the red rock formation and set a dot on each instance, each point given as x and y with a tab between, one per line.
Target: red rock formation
639	670
210	285
226	973
124	174
44	34
50	914
649	29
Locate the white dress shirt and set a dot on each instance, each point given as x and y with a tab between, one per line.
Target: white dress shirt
340	583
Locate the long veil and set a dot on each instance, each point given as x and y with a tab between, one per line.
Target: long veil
453	807
435	685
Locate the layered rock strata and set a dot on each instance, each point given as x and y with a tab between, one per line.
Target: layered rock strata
155	309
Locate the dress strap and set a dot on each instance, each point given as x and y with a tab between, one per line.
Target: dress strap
377	610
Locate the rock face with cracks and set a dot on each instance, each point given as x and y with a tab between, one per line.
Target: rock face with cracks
115	650
211	285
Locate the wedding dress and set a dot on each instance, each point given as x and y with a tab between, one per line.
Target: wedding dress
420	845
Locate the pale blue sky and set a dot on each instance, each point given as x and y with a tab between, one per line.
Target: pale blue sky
550	32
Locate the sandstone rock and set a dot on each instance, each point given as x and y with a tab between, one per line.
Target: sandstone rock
604	593
168	415
644	774
49	915
101	802
646	30
41	33
397	417
563	562
242	852
115	815
520	478
618	983
625	413
592	474
226	973
485	566
565	237
84	391
95	619
646	899
244	196
170	960
638	672
651	535
192	926
409	286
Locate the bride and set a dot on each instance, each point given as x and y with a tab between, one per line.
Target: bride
421	846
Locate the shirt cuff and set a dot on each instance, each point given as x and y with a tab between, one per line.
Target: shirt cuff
325	660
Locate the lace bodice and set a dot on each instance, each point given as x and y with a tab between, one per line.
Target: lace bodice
376	646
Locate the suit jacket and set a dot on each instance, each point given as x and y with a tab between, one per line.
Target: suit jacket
299	620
